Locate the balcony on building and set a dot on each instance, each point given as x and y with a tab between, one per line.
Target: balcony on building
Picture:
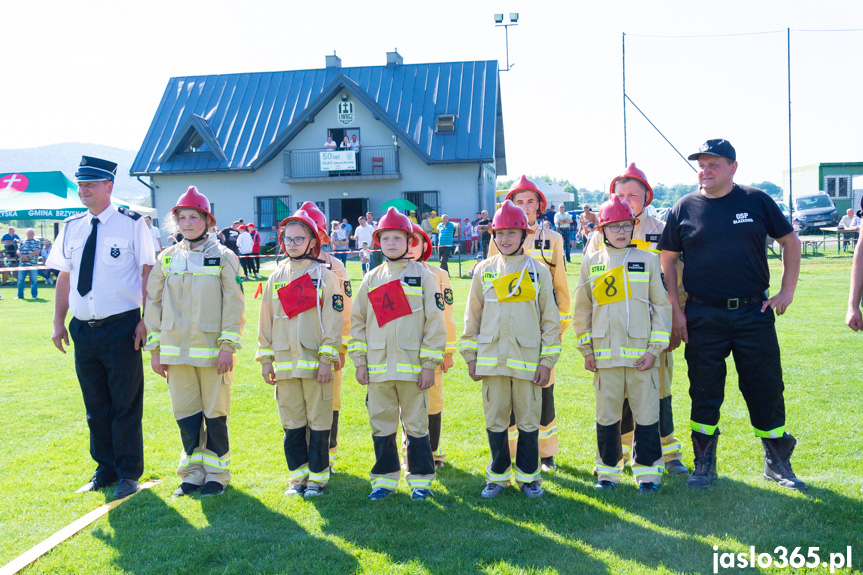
317	165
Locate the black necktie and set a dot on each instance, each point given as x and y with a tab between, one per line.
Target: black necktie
85	277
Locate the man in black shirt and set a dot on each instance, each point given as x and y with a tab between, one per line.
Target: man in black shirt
229	237
484	225
721	231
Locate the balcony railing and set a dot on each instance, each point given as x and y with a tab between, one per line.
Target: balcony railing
371	162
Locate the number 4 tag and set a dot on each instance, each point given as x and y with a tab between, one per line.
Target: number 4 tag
389	302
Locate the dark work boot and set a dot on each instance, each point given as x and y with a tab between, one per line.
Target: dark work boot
704	447
777	461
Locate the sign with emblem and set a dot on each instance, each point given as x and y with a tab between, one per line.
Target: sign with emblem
346	112
338	303
389	302
438	298
447	296
338	161
348	291
115	251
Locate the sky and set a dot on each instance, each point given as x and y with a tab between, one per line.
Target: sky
95	72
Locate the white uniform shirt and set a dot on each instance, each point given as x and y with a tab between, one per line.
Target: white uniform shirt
157	238
123	247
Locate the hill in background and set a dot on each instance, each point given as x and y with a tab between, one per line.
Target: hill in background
66	157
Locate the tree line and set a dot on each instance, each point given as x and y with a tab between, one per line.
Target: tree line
663	196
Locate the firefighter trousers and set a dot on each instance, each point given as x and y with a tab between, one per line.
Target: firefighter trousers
612	385
502	398
201	401
671	446
306	414
337	406
386	401
548	444
750	336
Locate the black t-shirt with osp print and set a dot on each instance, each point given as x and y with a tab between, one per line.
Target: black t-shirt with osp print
722	241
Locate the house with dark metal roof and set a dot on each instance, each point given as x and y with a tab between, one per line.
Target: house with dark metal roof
257	144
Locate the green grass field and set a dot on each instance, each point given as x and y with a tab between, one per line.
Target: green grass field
254	528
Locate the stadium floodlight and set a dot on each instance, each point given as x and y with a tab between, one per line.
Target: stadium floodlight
513	17
498	22
498	18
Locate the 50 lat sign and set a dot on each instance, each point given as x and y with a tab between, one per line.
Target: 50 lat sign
338	161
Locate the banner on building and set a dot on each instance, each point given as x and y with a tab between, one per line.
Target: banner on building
338	161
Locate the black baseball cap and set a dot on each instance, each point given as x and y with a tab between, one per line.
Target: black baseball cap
718	147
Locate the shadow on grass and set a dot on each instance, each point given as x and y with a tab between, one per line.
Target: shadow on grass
243	536
761	516
459	532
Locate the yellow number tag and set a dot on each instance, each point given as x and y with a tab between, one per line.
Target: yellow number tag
644	245
608	288
505	285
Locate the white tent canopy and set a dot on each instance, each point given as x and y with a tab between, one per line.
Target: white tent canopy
143	210
553	192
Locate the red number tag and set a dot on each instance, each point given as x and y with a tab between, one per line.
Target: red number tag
298	296
389	302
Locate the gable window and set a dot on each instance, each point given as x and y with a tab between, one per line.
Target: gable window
192	143
445	124
837	186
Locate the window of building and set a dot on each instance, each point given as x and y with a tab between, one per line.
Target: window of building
270	210
837	186
425	201
192	143
445	124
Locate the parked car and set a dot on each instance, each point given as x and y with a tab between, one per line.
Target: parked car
783	207
815	211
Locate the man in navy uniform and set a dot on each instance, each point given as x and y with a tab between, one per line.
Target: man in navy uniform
104	256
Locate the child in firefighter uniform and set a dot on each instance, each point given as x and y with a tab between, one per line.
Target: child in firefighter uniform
633	189
511	342
344	284
546	247
299	337
421	253
622	321
397	342
195	313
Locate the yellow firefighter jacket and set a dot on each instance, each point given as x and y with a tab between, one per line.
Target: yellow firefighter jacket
195	305
403	347
511	338
296	346
446	289
621	306
645	237
546	247
338	268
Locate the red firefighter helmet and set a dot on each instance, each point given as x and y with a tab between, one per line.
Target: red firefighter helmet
525	185
301	217
614	210
633	172
510	216
418	231
193	199
393	220
320	219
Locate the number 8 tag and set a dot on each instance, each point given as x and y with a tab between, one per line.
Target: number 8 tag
298	296
389	302
608	288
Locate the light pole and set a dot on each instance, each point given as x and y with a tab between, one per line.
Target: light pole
498	22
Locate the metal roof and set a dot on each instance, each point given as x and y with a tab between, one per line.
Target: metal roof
245	120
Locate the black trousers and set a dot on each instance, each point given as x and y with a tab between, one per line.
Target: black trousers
255	263
445	252
111	376
750	336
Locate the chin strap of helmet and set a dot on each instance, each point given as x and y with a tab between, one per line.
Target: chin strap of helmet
199	238
404	256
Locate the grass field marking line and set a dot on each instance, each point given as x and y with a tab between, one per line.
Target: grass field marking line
48	544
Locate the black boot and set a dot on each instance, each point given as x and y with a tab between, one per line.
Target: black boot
704	447
777	461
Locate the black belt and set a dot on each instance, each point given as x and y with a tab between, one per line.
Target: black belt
110	318
731	303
